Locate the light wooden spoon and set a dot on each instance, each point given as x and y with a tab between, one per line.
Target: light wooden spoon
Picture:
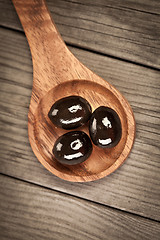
56	74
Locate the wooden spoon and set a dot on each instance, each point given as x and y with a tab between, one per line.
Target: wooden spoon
56	74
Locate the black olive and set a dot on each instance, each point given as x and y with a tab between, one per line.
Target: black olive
72	148
70	112
105	127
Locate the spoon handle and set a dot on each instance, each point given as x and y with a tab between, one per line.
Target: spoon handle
53	63
39	27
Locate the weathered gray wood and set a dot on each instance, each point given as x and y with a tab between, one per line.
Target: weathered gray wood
31	212
135	186
125	29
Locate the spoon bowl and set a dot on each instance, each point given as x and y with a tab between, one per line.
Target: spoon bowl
58	74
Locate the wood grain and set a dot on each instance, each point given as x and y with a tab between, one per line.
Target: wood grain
124	29
135	186
58	74
31	212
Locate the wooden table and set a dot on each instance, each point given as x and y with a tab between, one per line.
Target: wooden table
120	41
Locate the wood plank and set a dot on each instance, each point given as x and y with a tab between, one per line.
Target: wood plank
135	186
125	29
31	212
140	5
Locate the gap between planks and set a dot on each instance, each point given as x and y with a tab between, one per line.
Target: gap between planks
32	212
112	4
109	27
87	49
78	197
